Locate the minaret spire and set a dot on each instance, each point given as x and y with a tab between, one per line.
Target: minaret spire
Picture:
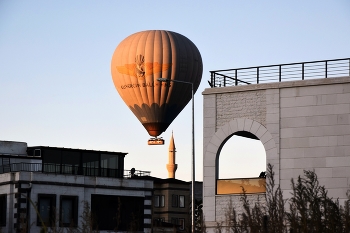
171	166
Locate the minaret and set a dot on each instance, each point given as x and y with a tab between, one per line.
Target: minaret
171	166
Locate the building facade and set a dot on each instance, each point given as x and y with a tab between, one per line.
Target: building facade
303	125
52	187
171	204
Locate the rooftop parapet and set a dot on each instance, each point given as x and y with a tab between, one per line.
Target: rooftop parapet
13	148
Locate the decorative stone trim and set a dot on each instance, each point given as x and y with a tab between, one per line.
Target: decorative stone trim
211	157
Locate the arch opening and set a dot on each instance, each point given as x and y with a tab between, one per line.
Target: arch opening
241	161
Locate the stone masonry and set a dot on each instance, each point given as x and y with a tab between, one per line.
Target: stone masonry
303	125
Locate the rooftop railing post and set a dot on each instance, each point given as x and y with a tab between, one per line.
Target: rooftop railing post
236	81
212	79
280	73
302	71
326	69
257	75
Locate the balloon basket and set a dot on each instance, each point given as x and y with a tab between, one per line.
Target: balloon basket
156	141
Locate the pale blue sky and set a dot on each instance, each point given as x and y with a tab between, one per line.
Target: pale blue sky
55	83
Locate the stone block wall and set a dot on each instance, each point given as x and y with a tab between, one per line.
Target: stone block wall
315	135
303	125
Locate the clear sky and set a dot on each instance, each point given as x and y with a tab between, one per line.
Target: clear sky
55	83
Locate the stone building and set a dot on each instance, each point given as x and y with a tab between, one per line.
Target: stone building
303	123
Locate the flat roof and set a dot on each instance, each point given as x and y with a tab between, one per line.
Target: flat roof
75	149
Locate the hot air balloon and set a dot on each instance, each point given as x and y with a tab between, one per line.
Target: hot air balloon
142	58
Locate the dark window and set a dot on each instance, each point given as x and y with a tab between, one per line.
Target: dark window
120	213
174	200
52	161
3	207
159	201
158	221
68	211
109	161
181	224
91	164
174	221
109	165
70	162
46	208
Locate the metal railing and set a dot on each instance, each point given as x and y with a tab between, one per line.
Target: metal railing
70	169
280	73
129	173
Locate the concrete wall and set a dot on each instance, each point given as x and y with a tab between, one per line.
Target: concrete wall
168	211
13	148
14	184
303	125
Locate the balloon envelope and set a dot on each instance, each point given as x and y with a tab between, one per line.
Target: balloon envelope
142	58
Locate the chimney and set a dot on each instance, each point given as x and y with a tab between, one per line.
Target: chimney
171	166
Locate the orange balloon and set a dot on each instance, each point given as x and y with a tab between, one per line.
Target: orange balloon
142	58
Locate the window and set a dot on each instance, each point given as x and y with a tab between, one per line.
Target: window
3	207
181	223
46	208
68	211
178	201
109	165
174	221
159	201
158	221
70	162
91	164
52	161
182	201
175	201
118	213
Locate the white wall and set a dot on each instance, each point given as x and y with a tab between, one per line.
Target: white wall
80	186
13	148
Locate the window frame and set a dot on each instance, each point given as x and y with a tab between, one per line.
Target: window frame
52	211
159	201
74	217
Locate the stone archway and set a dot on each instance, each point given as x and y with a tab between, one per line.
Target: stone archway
210	162
242	156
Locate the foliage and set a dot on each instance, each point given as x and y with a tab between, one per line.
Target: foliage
199	223
310	210
88	224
